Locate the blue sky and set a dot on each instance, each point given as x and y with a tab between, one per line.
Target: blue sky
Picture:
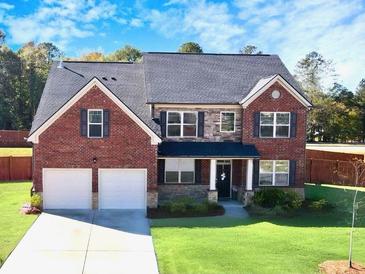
290	28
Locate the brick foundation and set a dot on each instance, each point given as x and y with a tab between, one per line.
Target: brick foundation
169	192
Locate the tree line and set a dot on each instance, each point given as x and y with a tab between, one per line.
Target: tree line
338	114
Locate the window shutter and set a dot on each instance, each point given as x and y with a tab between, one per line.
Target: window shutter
255	175
292	172
163	123
201	124
83	122
256	124
198	171
161	171
293	124
106	122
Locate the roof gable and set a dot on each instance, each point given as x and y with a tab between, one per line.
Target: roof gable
263	84
34	136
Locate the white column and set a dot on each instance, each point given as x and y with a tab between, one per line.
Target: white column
213	173
249	173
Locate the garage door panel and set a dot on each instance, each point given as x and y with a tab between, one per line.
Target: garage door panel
122	189
67	188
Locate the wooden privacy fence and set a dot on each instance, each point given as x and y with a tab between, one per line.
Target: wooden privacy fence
330	172
15	168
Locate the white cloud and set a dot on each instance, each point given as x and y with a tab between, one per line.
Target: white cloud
211	23
59	21
336	29
6	6
136	22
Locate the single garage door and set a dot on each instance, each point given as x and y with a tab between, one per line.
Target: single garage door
122	188
67	188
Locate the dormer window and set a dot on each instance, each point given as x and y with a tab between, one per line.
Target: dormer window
95	123
181	124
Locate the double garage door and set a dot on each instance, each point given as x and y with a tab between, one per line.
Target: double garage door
71	188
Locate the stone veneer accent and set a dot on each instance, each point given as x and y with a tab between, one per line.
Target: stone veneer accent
169	192
213	196
211	124
152	199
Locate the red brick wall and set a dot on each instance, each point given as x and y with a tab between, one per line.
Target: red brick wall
238	175
14	138
205	172
280	148
128	146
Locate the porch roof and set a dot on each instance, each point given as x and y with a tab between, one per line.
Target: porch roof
207	150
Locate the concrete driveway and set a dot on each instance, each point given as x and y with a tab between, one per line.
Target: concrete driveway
92	242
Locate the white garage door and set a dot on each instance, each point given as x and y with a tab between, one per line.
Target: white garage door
67	188
122	188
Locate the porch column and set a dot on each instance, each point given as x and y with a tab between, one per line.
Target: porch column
249	174
213	173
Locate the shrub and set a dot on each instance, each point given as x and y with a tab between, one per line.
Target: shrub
36	201
319	205
177	208
201	208
271	197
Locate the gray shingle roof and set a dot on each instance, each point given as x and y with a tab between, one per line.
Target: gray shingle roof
63	84
207	78
162	78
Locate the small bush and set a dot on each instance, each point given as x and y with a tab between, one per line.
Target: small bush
177	208
201	208
36	201
272	197
319	205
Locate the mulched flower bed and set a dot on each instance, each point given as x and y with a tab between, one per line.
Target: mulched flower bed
159	213
340	267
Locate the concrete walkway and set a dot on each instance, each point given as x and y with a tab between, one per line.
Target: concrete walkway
234	209
92	242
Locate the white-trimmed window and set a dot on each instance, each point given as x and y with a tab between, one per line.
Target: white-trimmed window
274	124
179	171
182	124
95	123
228	121
274	173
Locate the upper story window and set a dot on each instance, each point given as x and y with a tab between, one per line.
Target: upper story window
95	123
179	171
274	173
274	124
181	124
228	121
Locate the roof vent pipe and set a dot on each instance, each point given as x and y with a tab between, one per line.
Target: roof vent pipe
60	64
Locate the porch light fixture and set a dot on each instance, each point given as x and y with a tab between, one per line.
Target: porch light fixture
94	160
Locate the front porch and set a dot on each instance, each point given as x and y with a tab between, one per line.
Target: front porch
217	171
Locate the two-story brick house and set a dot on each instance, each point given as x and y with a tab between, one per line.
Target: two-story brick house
125	135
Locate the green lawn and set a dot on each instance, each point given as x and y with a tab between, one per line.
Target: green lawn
15	151
13	225
227	245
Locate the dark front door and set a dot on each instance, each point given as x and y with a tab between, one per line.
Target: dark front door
224	179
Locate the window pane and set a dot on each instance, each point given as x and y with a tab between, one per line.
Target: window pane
95	130
227	120
281	179
173	130
95	116
266	131
174	118
189	118
267	118
282	118
282	166
187	177
266	166
265	179
282	131
172	176
189	130
186	164
171	164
